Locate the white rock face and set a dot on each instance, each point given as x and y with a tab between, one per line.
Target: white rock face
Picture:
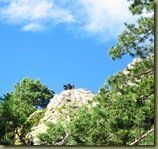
130	65
69	98
127	70
59	105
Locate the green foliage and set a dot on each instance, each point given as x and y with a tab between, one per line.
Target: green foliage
34	92
135	103
125	104
86	127
35	117
138	6
137	39
123	114
17	106
55	135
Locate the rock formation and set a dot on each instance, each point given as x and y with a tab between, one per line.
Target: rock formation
61	106
59	109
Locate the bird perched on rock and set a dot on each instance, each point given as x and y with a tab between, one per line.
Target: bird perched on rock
68	87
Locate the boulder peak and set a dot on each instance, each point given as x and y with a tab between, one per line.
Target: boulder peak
60	107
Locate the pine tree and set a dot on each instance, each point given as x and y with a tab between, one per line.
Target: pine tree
126	103
137	39
17	106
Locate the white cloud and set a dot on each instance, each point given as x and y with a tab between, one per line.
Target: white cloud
105	17
102	17
33	27
34	13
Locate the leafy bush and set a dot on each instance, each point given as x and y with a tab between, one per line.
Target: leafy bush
55	134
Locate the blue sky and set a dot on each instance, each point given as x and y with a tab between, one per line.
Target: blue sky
60	42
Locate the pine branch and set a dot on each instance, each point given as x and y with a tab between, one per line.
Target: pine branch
141	137
144	73
20	137
145	36
146	96
138	75
64	140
